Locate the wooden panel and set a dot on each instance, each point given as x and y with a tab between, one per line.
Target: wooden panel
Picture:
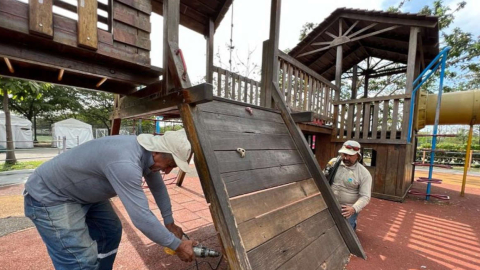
324	253
392	168
249	141
231	161
366	120
402	170
243	182
381	169
259	230
291	245
375	120
129	35
393	132
271	199
41	17
351	108
131	17
384	120
239	111
222	122
144	6
358	118
87	24
342	121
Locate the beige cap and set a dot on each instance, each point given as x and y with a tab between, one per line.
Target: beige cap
172	142
351	148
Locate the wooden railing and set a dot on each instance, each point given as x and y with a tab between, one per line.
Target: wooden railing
236	87
304	89
379	119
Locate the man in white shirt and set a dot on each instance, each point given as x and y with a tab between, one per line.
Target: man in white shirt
351	182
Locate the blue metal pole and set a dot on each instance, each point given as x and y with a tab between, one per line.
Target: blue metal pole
437	118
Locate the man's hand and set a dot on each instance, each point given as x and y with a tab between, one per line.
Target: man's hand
177	231
347	211
185	250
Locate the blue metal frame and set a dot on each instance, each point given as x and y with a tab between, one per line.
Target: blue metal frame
437	62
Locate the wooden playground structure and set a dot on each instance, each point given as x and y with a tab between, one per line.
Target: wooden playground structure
230	112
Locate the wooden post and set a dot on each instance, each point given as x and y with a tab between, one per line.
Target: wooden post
271	60
338	83
412	53
209	68
41	17
365	89
354	82
87	24
171	20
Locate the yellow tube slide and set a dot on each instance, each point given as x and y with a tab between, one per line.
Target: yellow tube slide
458	108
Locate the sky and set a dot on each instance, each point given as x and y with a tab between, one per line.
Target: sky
251	19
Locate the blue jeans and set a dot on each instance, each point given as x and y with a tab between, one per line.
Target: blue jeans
353	221
77	236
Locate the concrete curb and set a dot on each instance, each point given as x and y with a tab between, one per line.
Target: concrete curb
17	172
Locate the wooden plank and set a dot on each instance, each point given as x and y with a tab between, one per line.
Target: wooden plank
230	141
244	182
171	20
227	84
209	51
402	170
386	109
231	161
318	254
214	189
144	6
357	124
303	117
305	91
293	243
392	168
342	121
374	99
270	199
375	120
350	121
234	83
366	120
251	91
239	111
129	35
41	17
245	89
393	132
295	89
390	20
259	230
411	62
219	84
87	24
283	68
345	229
381	169
289	84
132	17
337	260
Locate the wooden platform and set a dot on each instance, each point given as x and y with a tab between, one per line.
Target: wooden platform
267	205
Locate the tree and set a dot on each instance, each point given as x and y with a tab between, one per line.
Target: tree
10	156
96	108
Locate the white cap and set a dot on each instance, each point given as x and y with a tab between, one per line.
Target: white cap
173	142
350	150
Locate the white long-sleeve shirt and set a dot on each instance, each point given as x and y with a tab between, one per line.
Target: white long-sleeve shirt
352	186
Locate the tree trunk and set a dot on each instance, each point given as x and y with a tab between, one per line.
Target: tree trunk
35	128
10	157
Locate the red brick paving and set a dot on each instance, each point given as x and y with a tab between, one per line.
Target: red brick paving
410	235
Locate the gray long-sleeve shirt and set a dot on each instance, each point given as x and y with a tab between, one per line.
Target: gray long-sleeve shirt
101	169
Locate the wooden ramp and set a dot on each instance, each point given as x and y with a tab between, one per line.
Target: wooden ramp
273	207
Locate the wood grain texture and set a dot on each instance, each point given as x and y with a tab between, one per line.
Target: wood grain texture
144	6
295	242
231	161
250	141
130	35
87	24
259	230
243	182
270	199
240	111
220	122
392	168
41	17
132	17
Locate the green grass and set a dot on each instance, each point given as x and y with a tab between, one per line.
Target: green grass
21	165
472	169
44	138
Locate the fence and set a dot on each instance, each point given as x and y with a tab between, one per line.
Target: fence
452	158
379	119
235	87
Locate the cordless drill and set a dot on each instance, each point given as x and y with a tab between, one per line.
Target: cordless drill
200	252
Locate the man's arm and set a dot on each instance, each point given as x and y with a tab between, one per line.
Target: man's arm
365	192
126	179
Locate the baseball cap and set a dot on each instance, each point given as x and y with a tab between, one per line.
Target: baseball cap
351	148
172	142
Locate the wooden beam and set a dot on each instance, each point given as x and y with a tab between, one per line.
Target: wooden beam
354	83
171	20
412	53
41	17
338	84
219	17
132	107
368	100
399	21
345	229
362	30
351	28
60	74
210	51
9	65
87	24
101	82
303	117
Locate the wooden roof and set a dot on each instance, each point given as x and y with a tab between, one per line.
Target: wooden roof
195	14
389	45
